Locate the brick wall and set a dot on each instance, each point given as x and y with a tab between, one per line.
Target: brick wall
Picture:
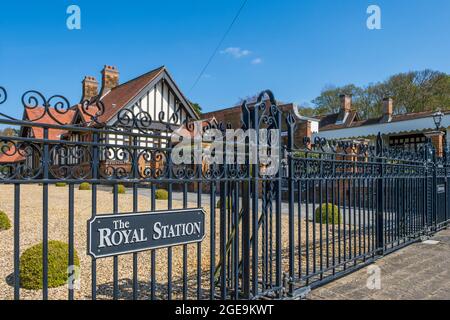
233	116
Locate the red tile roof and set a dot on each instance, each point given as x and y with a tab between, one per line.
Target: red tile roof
119	96
113	101
7	158
38	115
233	115
88	113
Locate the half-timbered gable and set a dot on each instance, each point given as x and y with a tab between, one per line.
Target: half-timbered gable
152	99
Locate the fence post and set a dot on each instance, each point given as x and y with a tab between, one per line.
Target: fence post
46	165
290	173
380	198
246	210
224	199
434	188
429	192
95	177
278	223
446	167
254	174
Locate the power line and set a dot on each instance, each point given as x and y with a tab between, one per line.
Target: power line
218	46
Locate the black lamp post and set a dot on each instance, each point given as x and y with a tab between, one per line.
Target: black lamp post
437	118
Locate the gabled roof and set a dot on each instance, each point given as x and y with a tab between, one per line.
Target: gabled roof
113	101
119	97
338	120
86	118
11	158
39	115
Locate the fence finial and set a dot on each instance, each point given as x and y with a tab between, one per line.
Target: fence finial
269	94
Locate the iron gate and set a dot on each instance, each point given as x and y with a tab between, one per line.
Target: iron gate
332	206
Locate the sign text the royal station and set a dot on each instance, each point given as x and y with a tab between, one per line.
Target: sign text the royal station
110	235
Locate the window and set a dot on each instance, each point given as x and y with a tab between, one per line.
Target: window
408	142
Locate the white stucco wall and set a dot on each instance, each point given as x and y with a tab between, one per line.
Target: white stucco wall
422	124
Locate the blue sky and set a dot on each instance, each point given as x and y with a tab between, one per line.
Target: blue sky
297	47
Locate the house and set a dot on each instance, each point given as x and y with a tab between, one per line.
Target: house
151	104
408	131
233	116
153	92
28	155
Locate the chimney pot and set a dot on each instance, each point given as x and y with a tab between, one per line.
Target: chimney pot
90	88
110	78
388	109
346	102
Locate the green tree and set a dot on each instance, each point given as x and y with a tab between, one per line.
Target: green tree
307	111
329	101
196	107
414	91
9	132
417	91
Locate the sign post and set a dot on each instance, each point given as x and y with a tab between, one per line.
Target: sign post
112	235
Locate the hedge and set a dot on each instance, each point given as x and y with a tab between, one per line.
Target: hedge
5	223
84	186
120	189
30	269
334	216
161	194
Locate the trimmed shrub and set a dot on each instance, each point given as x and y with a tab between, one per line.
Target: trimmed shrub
84	186
161	194
219	204
58	259
61	184
120	189
334	216
5	223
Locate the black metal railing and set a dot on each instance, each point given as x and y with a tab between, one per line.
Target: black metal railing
379	199
331	208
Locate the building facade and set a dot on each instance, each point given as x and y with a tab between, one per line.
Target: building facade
151	104
408	131
232	117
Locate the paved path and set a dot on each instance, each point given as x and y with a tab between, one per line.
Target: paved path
420	271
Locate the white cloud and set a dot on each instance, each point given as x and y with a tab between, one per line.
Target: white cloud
236	52
257	61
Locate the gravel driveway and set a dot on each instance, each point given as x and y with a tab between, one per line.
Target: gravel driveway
31	234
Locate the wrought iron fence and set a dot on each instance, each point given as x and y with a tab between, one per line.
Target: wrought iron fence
371	200
332	208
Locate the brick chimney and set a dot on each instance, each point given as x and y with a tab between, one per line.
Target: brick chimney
346	108
303	131
110	78
388	109
346	103
90	88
